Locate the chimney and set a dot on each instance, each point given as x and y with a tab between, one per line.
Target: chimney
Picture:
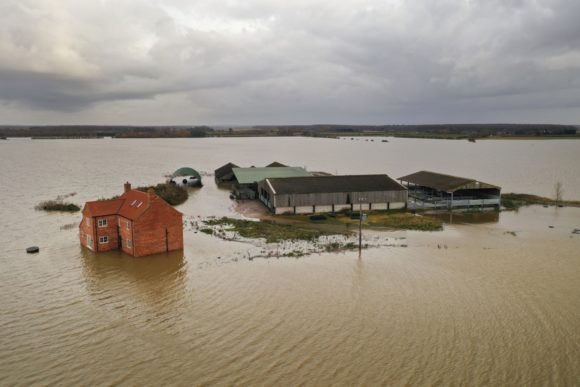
151	193
127	187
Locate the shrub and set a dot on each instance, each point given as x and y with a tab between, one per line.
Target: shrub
57	205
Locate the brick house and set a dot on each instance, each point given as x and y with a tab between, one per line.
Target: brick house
138	223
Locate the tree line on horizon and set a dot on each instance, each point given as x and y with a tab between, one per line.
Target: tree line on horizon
432	130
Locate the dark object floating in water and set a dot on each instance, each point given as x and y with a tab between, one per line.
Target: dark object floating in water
551	226
32	249
560	205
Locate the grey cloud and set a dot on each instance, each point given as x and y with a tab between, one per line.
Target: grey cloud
294	62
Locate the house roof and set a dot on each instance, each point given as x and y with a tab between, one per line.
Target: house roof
135	204
131	205
103	207
329	184
253	175
442	182
224	170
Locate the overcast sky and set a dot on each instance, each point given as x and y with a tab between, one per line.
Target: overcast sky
289	62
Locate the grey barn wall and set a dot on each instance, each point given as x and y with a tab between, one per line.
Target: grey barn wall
327	199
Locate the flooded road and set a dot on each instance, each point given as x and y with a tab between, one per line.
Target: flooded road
492	302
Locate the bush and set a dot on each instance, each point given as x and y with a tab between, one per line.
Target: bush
171	193
57	205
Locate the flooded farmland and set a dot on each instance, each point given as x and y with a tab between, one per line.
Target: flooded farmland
491	300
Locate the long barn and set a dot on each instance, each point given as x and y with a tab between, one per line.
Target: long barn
313	194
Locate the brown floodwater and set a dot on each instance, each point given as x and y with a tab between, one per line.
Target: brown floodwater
491	300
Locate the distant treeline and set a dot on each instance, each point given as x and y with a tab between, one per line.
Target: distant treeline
451	131
439	130
95	131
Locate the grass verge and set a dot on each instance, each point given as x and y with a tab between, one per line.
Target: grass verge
393	220
272	232
513	201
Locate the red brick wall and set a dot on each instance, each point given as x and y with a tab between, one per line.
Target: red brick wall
126	234
85	229
158	230
110	230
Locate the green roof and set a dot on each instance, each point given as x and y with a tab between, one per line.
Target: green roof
254	175
186	171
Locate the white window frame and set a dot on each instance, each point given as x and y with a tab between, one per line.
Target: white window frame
103	239
103	222
88	221
129	244
128	225
89	240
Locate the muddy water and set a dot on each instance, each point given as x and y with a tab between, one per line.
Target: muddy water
492	302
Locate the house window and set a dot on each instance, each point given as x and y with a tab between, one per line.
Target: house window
103	222
89	241
129	243
88	221
104	239
128	225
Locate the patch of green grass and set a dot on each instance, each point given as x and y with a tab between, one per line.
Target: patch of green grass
405	221
57	205
394	219
270	231
513	201
207	231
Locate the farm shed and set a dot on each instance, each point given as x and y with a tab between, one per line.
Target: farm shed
246	179
437	190
303	195
186	176
224	173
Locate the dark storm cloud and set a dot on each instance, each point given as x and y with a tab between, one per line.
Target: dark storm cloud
292	62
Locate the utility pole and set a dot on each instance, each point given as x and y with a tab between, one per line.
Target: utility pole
360	226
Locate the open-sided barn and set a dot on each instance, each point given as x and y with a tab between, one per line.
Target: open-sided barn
312	194
436	190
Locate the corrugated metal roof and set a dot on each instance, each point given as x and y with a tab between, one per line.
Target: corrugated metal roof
329	184
442	182
254	175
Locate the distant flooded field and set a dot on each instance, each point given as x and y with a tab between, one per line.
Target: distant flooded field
490	300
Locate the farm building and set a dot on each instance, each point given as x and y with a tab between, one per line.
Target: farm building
246	179
138	223
275	164
187	177
224	173
312	194
437	190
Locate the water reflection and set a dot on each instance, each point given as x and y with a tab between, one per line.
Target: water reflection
468	217
114	278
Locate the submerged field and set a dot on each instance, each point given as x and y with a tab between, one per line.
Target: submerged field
491	302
